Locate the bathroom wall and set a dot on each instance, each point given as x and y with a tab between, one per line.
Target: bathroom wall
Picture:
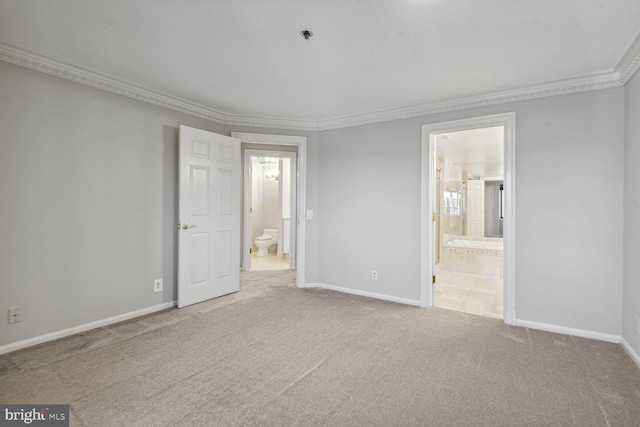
271	202
285	180
451	199
266	199
256	199
631	283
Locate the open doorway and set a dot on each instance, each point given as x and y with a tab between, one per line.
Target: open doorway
468	238
270	143
270	192
454	195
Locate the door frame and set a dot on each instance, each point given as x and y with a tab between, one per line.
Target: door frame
247	174
301	143
427	238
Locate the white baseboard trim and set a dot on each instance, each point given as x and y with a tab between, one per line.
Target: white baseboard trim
569	331
307	285
83	328
630	351
364	293
509	317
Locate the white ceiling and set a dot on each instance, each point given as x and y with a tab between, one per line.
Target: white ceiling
246	56
478	151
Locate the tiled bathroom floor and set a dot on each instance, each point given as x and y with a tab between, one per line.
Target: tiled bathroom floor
270	262
469	293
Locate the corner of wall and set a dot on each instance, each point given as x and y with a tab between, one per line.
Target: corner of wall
631	241
630	351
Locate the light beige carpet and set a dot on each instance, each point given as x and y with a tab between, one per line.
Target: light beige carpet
274	355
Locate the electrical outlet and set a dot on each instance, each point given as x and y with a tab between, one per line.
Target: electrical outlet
637	325
15	315
374	275
157	285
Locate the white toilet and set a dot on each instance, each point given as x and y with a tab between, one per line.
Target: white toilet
269	237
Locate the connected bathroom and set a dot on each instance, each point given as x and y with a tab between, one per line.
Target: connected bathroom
269	212
468	221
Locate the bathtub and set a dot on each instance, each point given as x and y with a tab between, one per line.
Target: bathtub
472	255
490	245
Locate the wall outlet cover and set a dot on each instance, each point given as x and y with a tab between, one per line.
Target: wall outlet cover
157	285
15	315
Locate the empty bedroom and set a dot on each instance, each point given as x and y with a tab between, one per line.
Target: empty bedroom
287	213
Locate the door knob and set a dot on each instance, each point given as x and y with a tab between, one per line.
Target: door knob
185	226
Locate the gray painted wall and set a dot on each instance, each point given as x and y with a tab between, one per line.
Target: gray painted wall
88	183
631	286
369	213
568	230
569	221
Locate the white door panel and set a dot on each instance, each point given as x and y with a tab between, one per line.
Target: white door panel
488	211
475	208
209	212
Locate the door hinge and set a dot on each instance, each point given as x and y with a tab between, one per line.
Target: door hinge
250	210
433	280
250	249
433	217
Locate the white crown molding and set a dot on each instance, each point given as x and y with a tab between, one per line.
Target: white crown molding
40	63
563	87
33	61
627	66
266	122
630	61
269	139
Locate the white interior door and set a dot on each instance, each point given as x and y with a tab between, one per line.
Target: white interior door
209	213
488	211
475	208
